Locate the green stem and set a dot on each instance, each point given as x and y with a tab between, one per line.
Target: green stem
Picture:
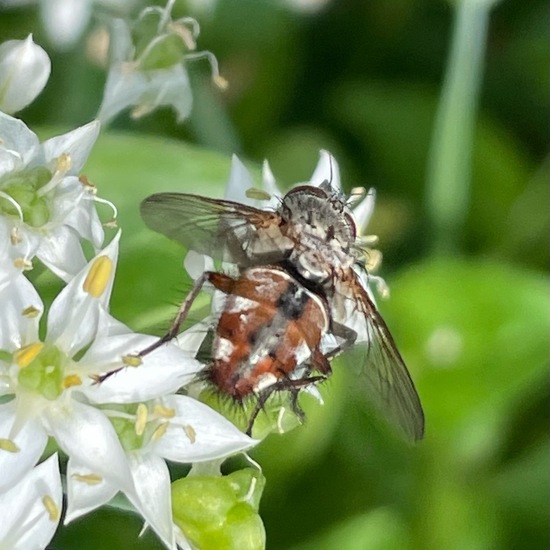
449	168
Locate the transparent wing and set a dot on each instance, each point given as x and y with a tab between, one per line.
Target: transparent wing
388	382
220	228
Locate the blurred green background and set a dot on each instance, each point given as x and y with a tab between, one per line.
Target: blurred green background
469	302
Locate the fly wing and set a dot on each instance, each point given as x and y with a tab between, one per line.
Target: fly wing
222	229
389	384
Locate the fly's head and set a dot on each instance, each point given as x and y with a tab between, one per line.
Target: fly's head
323	229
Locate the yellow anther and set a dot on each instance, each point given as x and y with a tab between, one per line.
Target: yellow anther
72	380
164	412
258	194
98	277
26	354
31	312
15	237
141	419
220	82
89	479
111	224
190	433
160	431
22	263
63	163
51	508
132	360
184	33
8	445
374	259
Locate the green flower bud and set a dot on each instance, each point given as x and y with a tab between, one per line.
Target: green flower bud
220	512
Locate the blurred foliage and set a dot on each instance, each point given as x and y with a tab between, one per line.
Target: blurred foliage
361	79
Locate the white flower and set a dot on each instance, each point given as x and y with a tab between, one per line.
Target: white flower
31	510
151	72
176	428
66	20
45	209
51	381
24	71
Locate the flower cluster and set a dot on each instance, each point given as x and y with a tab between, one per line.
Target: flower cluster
118	434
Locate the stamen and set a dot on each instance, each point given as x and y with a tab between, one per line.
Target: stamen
258	194
164	412
63	163
15	237
218	80
14	203
51	508
31	312
160	431
190	433
141	419
23	264
72	380
89	479
88	185
132	360
24	356
8	445
98	277
184	33
250	492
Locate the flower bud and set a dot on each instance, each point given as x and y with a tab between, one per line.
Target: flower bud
24	71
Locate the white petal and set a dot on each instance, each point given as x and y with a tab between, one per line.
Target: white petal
239	182
65	20
270	186
363	211
30	440
16	295
76	208
163	371
191	340
154	500
61	252
198	433
196	264
327	170
24	71
86	490
86	434
26	522
16	137
77	143
74	314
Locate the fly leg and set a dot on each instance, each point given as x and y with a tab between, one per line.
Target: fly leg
348	336
180	317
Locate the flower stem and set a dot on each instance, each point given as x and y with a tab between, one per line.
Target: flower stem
449	166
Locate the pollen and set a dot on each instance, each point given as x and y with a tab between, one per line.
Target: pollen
24	356
160	431
8	445
164	412
72	380
15	237
89	479
31	312
190	433
98	277
258	194
88	185
141	419
220	82
63	163
132	360
51	508
23	264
